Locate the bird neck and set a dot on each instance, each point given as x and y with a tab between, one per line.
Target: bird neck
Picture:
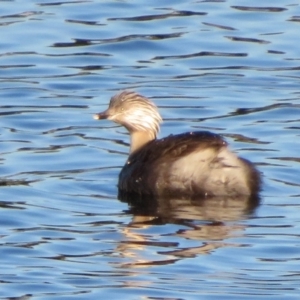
138	139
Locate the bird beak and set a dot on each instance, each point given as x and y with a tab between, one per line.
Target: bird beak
102	115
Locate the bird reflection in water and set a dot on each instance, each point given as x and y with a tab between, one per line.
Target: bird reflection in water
211	221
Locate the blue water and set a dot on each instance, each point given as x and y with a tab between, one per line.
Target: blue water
232	67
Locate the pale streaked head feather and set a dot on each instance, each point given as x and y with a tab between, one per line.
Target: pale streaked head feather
135	112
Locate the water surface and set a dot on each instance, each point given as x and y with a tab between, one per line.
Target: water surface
227	66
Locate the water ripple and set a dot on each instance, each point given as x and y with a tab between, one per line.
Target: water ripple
231	69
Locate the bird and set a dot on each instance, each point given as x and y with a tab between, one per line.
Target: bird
191	164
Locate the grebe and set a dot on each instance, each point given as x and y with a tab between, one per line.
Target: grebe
184	165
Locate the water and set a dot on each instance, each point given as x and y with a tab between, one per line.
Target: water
231	67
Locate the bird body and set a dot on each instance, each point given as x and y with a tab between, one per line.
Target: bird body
183	165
